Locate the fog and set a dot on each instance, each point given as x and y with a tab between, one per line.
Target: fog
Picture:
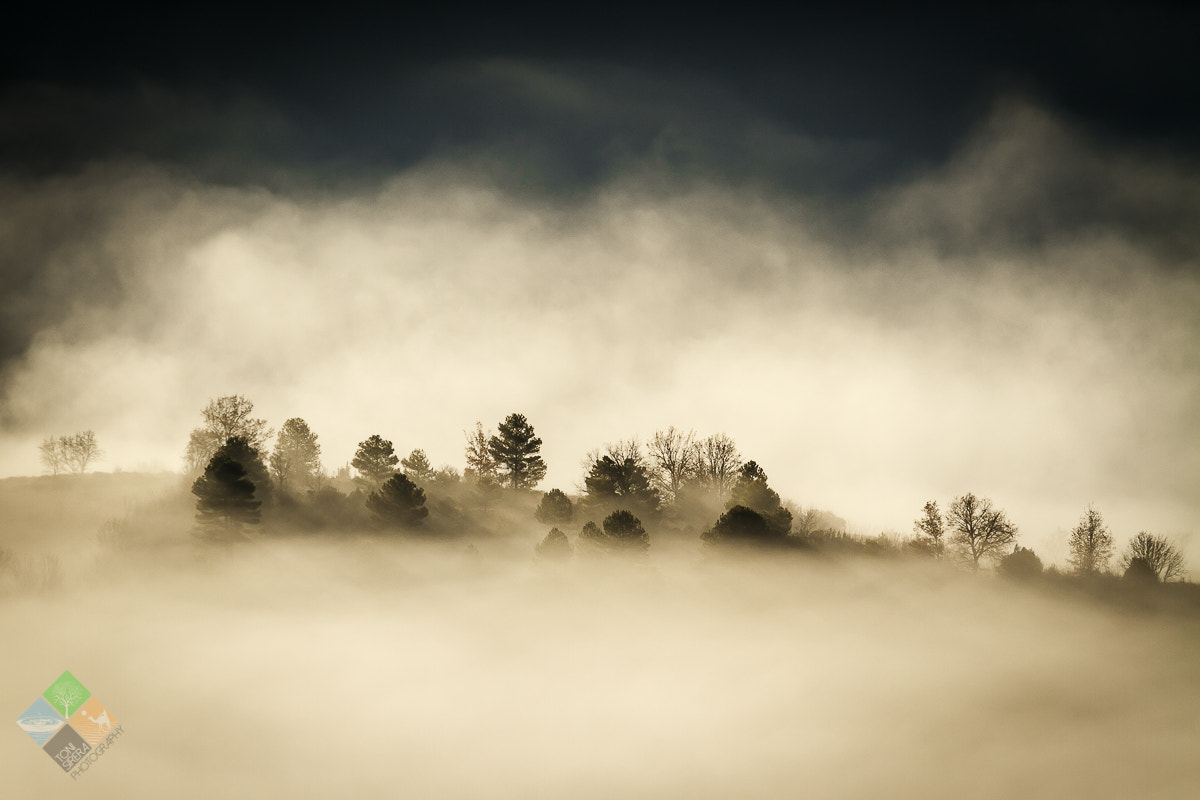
303	668
1017	320
896	257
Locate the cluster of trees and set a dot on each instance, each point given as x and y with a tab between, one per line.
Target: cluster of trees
70	453
626	487
628	491
673	465
234	484
973	530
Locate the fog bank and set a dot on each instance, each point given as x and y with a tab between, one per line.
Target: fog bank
304	670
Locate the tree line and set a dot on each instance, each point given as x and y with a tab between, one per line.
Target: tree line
676	482
973	531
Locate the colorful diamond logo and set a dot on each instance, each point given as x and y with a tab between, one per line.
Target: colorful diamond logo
67	722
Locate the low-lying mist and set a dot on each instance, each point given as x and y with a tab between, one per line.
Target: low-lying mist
316	667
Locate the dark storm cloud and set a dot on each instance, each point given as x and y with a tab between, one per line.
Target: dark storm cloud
353	85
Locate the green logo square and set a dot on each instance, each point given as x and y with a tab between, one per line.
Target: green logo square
66	695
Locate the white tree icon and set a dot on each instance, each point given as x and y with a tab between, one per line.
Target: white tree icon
68	695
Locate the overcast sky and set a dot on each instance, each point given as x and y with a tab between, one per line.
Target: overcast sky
896	255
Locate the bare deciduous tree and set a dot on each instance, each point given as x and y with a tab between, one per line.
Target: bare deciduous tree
224	418
480	463
1091	544
53	457
675	458
718	462
978	530
804	520
81	450
75	452
1159	554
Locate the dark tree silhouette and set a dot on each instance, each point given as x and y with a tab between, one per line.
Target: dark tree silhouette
625	530
931	530
1159	554
1139	571
591	531
555	507
398	503
1022	564
417	467
1091	544
225	496
623	482
243	452
296	459
742	525
555	547
375	461
751	490
515	450
978	530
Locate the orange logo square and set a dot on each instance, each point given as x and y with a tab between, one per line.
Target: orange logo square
93	722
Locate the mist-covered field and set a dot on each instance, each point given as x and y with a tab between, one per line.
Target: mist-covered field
318	667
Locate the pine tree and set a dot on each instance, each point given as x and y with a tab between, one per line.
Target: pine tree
225	496
751	490
625	531
515	450
398	503
555	507
417	467
375	461
620	482
742	525
245	453
555	547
